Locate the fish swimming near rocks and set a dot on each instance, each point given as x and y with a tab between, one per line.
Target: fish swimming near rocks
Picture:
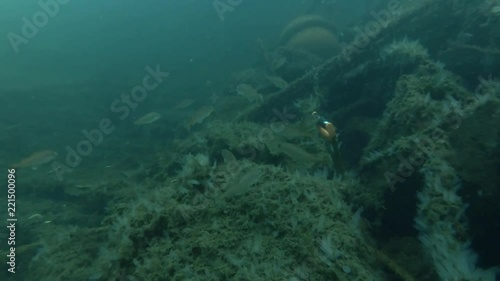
184	104
296	152
200	115
277	81
148	118
248	92
36	159
278	63
291	131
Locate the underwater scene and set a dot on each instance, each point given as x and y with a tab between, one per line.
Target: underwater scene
233	140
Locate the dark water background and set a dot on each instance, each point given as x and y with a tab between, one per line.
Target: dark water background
65	77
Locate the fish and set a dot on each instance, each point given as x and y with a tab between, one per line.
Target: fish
200	115
278	63
242	183
293	130
148	118
295	152
183	104
277	81
248	92
36	159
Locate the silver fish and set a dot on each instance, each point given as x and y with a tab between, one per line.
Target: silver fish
277	81
148	118
248	92
200	115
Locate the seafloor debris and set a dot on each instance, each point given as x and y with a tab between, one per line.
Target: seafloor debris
252	195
